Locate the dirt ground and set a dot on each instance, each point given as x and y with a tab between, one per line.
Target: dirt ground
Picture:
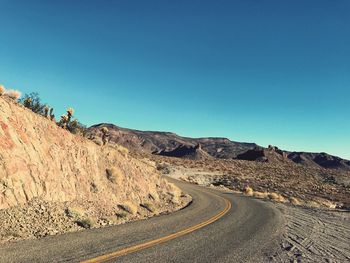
314	235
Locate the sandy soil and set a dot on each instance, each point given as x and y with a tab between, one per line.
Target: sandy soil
314	235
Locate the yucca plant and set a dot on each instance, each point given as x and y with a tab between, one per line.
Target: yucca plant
27	102
51	115
70	112
46	111
63	121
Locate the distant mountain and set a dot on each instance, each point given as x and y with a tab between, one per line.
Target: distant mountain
321	159
173	145
161	142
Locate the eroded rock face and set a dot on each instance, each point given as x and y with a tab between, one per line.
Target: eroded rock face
39	159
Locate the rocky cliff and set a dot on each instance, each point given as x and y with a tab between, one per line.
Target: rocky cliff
38	159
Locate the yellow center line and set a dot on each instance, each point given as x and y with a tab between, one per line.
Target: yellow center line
158	241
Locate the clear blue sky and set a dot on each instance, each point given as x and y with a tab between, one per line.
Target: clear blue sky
270	72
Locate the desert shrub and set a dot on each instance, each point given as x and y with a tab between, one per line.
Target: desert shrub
93	188
122	214
294	201
66	119
276	197
154	195
2	90
312	204
80	217
114	175
248	191
174	190
124	151
326	203
149	206
163	168
129	207
86	223
63	121
76	127
13	233
32	101
13	94
260	194
175	193
74	212
72	125
48	113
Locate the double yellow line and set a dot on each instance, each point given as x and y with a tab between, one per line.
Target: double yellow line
158	241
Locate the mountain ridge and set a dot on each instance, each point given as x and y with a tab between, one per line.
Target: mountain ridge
159	142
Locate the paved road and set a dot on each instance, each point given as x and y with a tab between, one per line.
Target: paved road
244	234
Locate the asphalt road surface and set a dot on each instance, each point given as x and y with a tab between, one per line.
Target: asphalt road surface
216	227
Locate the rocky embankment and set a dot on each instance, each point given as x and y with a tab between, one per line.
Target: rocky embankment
52	181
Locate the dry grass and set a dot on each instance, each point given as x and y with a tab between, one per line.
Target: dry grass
75	212
13	94
277	197
86	223
261	195
248	191
122	214
129	207
124	151
11	233
294	201
326	203
174	190
114	175
183	178
154	195
149	206
175	193
80	217
312	204
121	149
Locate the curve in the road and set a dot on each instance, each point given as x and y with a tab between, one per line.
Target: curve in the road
243	234
158	241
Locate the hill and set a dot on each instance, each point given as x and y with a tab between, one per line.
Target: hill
42	164
154	141
172	145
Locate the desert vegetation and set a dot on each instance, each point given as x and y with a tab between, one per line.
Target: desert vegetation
33	102
128	207
10	93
